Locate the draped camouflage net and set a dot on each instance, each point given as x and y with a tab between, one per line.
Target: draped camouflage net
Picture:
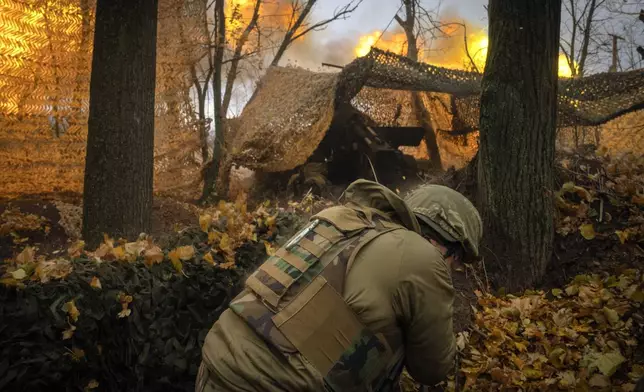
45	67
379	86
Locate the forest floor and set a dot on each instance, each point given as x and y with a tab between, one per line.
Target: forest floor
580	329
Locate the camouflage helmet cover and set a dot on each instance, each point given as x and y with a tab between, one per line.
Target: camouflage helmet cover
449	213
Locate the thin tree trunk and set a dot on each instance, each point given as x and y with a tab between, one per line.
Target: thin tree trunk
517	125
586	39
234	64
423	116
117	198
211	171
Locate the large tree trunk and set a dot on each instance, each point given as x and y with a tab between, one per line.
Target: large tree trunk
117	199
517	125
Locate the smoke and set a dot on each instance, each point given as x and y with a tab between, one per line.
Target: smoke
444	46
313	50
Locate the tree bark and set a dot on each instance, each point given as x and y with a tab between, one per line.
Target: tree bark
117	198
517	128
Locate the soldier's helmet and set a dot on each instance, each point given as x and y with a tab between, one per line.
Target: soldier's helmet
450	214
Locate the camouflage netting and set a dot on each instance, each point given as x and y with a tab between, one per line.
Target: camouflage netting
45	61
379	85
298	104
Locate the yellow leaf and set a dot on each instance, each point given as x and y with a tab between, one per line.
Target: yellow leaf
153	255
176	260
557	292
19	274
119	253
186	252
76	249
520	347
71	310
531	373
224	243
622	235
587	231
611	315
270	221
209	259
77	354
26	256
92	384
134	249
213	236
270	250
95	283
204	222
69	332
124	313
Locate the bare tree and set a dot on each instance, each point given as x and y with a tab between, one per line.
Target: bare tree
581	22
410	25
299	25
239	53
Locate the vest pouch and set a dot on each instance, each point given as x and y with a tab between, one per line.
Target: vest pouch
324	329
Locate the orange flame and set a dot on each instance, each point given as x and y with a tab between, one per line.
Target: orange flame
451	56
276	15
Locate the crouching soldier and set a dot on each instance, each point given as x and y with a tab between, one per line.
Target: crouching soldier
359	293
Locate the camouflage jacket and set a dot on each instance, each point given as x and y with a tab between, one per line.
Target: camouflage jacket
394	308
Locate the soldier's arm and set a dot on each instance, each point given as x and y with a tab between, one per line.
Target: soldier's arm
423	302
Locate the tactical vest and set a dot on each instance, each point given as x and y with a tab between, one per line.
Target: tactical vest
294	301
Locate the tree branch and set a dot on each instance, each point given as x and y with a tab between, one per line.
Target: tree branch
232	72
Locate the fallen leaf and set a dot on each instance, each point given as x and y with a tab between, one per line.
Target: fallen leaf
567	379
69	332
173	255
532	373
209	259
225	243
153	255
557	357
95	283
213	236
52	269
622	235
76	249
26	256
19	274
77	354
557	292
119	253
587	231
599	381
92	384
204	222
611	315
185	252
270	250
71	309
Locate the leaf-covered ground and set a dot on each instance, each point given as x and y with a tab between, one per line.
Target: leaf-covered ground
140	303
